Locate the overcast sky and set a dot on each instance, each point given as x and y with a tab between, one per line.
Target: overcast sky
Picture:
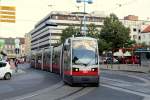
28	12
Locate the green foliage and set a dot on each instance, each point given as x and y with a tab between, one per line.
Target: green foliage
92	31
103	45
112	35
114	32
71	30
129	43
68	32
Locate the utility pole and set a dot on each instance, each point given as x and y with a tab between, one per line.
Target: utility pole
84	29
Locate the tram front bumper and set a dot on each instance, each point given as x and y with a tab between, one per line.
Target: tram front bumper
85	79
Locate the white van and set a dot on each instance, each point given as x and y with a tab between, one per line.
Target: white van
5	70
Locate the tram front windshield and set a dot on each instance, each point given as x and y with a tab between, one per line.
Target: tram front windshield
84	52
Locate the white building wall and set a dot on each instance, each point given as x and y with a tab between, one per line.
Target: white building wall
136	27
54	36
145	38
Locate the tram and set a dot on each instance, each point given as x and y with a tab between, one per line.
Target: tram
76	60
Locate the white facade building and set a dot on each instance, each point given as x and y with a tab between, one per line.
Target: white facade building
136	27
44	34
144	36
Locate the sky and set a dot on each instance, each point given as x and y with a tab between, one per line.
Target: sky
29	12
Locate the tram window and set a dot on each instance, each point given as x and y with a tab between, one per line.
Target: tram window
66	47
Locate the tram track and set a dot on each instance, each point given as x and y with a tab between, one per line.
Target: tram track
66	96
59	91
36	93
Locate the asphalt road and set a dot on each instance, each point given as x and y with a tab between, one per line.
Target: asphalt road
41	85
28	81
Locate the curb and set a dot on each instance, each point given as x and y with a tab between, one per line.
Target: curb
127	67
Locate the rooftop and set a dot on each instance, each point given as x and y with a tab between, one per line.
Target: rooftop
146	30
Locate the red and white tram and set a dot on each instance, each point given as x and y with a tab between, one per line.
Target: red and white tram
76	60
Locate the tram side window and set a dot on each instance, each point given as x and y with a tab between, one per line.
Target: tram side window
67	45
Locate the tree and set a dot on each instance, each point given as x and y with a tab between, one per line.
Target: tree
93	31
71	30
68	32
114	32
103	45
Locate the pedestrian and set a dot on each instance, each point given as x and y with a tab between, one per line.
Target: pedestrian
16	64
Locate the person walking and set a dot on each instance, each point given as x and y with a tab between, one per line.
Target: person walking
16	64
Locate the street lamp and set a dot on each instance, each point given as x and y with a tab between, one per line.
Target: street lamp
89	2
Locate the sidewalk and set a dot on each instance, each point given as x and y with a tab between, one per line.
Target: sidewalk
21	69
126	67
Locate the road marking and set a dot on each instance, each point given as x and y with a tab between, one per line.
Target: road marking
57	85
126	90
137	77
116	80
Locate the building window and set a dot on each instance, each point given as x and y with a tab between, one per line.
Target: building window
139	30
139	37
54	17
134	29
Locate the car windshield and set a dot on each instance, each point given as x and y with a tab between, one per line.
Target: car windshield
2	64
84	52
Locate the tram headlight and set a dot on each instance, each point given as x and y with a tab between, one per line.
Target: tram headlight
94	69
75	69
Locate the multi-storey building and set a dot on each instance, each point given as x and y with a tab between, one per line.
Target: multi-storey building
144	37
136	26
47	33
131	17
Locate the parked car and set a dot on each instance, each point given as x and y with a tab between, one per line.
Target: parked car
5	70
